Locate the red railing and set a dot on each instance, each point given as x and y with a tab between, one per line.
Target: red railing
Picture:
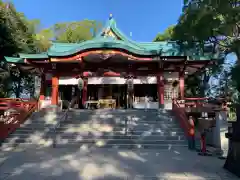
180	113
189	108
13	113
179	109
194	102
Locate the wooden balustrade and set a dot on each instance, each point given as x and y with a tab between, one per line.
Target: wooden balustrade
13	113
196	108
181	115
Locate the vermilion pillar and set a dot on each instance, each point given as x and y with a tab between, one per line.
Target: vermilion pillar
43	87
84	91
55	85
181	85
160	87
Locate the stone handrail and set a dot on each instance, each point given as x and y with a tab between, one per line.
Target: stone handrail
62	119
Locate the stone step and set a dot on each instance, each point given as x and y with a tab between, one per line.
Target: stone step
106	127
118	123
137	133
132	113
30	129
98	134
109	121
8	146
36	126
117	137
39	121
11	145
112	112
27	134
101	128
117	128
121	116
17	140
123	146
115	122
98	127
125	115
24	133
118	141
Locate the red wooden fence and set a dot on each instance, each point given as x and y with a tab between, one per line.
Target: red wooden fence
13	113
181	115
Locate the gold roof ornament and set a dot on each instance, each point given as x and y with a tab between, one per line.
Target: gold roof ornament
110	16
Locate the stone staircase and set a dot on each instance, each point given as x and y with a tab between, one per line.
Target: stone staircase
34	131
120	129
103	128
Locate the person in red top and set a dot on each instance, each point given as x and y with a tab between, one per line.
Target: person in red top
191	133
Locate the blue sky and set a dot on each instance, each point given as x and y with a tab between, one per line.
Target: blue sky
144	18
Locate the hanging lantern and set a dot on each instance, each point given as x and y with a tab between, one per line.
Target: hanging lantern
80	83
130	84
175	83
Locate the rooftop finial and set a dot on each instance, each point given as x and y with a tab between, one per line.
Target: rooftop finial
110	16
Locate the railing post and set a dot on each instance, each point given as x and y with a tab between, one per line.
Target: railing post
54	141
203	144
191	137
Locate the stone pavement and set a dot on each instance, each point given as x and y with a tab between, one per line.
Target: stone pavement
98	164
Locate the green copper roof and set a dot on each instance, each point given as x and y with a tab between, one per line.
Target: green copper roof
33	56
14	59
116	40
99	43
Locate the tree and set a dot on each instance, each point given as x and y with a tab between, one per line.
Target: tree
211	21
197	85
75	32
43	39
16	35
166	35
210	26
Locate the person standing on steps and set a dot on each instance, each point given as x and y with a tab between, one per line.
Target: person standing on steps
146	103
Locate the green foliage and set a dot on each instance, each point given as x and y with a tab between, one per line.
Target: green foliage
236	77
166	35
15	34
75	32
43	39
211	23
18	34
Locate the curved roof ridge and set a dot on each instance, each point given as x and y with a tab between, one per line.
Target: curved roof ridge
158	42
122	36
112	25
14	59
34	56
65	43
111	40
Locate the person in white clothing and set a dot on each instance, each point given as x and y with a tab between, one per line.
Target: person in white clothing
146	102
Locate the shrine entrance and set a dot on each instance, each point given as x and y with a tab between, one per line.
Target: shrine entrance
112	55
115	92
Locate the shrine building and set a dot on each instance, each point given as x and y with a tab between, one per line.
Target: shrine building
113	67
